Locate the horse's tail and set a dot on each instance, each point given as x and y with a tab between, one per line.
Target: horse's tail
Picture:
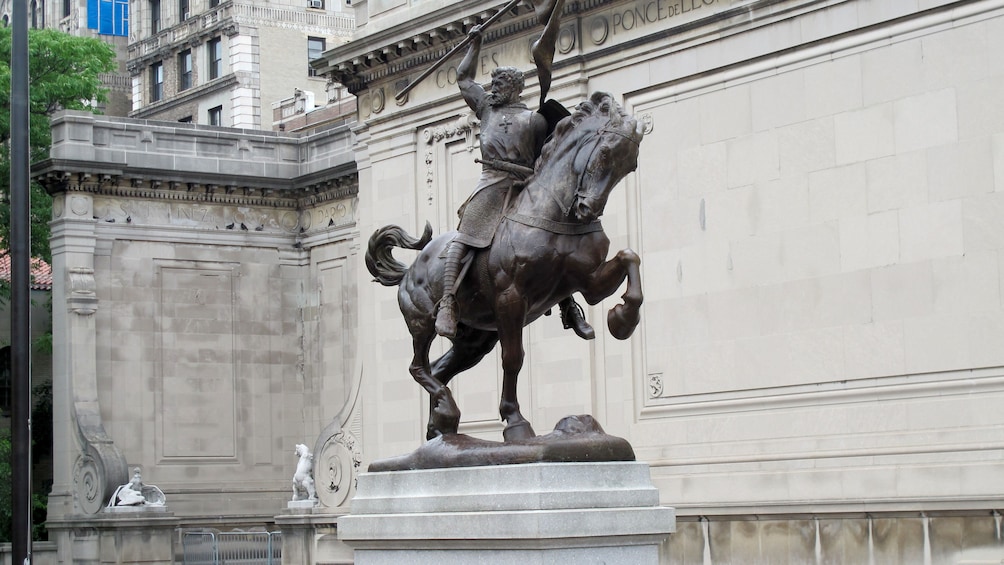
381	263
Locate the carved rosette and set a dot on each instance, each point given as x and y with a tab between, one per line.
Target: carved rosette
336	466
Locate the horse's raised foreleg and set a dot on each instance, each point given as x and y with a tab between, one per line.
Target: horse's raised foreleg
622	318
510	311
444	416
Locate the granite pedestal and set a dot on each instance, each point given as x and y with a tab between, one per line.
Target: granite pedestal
534	513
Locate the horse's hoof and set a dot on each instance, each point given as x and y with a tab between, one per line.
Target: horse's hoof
622	322
518	431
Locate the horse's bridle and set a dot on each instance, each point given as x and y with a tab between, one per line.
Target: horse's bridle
579	188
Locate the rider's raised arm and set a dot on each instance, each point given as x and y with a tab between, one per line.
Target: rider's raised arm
467	72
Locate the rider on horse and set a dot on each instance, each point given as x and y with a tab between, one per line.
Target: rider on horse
512	136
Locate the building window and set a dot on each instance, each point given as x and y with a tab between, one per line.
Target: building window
185	120
215	52
216	116
315	46
66	8
185	70
318	4
108	17
183	10
156	81
154	16
34	15
214	3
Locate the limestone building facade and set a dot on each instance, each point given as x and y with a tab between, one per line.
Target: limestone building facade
817	207
201	322
225	63
107	21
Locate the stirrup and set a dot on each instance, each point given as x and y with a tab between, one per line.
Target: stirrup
572	317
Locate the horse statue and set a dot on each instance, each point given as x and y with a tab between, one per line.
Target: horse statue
303	478
548	245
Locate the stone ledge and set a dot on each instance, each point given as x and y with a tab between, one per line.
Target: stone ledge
535	486
534	506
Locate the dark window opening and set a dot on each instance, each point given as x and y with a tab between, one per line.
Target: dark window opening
215	51
315	46
216	116
156	82
154	16
185	70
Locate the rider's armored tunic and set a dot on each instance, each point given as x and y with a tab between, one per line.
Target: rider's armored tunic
507	136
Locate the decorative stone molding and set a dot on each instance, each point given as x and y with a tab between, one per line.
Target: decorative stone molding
648	122
464	125
100	469
336	465
655	385
83	298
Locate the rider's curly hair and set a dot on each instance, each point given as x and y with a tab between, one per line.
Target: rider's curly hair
514	75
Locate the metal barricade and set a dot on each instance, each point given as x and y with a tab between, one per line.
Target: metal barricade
199	547
202	547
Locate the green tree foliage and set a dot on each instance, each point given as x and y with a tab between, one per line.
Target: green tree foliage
41	439
63	72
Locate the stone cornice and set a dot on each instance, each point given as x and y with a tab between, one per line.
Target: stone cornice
296	194
399	49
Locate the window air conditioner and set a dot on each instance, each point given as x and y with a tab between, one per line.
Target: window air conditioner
315	3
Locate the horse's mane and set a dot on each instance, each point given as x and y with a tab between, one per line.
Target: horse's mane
590	115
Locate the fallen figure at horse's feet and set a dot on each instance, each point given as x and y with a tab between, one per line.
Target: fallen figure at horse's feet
574	439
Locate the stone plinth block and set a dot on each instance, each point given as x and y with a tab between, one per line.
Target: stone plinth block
534	513
116	538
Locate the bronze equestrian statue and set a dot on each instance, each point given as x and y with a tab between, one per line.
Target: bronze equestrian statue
511	137
548	244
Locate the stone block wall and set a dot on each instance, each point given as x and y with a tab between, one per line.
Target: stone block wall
205	329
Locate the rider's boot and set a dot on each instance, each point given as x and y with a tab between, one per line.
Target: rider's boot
446	315
573	318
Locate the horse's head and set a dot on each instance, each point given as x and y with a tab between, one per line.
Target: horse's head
602	141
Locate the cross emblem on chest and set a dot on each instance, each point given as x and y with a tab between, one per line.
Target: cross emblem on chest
505	123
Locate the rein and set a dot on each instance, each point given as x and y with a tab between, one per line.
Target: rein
598	134
560	228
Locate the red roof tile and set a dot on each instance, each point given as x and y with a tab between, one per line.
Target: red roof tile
41	272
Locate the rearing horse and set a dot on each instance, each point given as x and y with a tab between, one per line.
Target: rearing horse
549	245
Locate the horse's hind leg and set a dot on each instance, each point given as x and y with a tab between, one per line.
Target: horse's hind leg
444	416
468	349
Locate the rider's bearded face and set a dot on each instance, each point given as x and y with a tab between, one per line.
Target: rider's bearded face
502	92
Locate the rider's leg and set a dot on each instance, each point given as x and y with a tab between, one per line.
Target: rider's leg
573	318
446	317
